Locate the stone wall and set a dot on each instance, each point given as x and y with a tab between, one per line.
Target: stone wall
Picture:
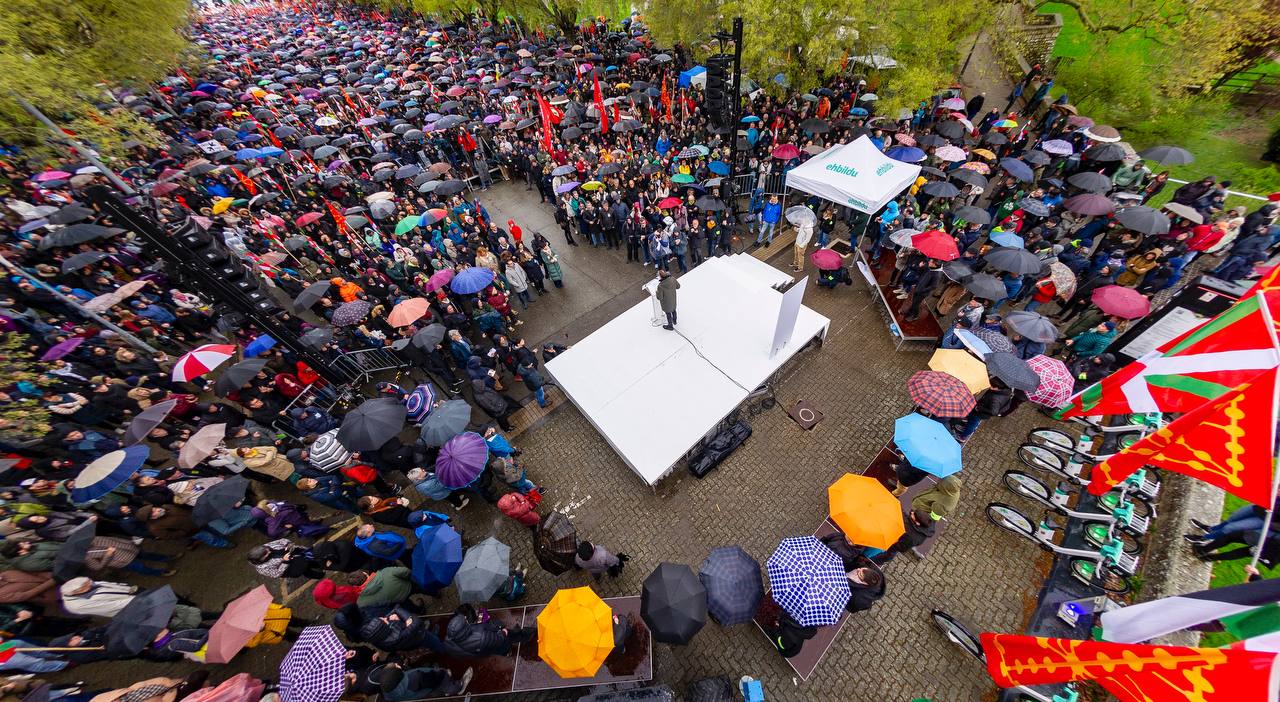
1021	40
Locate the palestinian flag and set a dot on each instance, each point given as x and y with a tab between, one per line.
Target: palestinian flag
1226	442
1246	610
1202	364
1132	672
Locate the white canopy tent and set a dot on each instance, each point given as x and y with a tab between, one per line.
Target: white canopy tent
856	175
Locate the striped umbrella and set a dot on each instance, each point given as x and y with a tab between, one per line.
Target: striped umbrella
108	473
808	581
420	402
201	360
327	453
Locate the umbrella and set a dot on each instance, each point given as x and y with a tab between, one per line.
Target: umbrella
1013	260
1184	212
673	603
70	214
201	445
471	280
437	556
940	189
201	360
69	559
372	424
1033	207
733	585
949	129
1120	301
961	365
315	668
439	279
1102	133
1064	280
461	460
1013	371
826	259
219	499
555	543
1090	181
867	513
973	214
957	271
350	313
107	473
420	402
985	286
1056	383
136	625
241	620
927	444
430	336
316	338
1057	147
1168	155
311	294
1032	325
936	243
786	152
62	348
808	580
951	153
147	419
237	376
77	234
1017	169
446	421
575	633
800	215
939	394
484	569
1007	239
327	453
408	311
1143	219
81	260
994	340
241	687
903	237
1092	204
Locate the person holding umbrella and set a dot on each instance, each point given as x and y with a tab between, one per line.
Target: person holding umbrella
995	402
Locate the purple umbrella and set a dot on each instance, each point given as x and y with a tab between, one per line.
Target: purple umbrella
492	119
462	459
62	348
351	313
566	187
471	280
1057	147
420	402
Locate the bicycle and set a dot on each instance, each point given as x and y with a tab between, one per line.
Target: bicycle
960	635
1066	502
1108	568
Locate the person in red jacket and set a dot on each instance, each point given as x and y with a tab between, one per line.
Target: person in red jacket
329	594
520	508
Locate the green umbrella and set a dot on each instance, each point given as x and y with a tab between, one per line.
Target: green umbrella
406	224
682	178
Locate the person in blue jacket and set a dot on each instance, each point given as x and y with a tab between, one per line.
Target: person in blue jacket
769	217
385	546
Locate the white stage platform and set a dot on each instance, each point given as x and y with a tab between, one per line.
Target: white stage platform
652	393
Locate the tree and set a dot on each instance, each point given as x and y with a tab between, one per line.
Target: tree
21	419
62	56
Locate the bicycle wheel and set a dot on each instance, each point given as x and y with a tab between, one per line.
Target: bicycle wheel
1052	438
1026	485
1096	534
958	634
1141	507
1041	458
1007	517
1091	573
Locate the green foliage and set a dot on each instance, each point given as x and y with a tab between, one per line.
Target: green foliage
26	418
61	56
1229	573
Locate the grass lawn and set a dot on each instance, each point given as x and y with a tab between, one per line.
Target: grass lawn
1228	573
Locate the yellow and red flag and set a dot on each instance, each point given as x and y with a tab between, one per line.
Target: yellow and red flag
599	100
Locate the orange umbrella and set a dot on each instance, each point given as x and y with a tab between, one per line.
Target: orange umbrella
866	512
408	312
575	633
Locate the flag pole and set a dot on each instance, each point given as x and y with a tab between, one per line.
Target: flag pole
1275	406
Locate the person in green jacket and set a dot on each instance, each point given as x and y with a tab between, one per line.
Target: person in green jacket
29	556
941	499
1094	341
387	586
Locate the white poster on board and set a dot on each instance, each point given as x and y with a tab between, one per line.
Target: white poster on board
212	146
788	312
1173	324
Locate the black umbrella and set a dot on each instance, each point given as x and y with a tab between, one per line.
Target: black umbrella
707	203
236	376
1032	325
77	234
69	214
940	188
82	260
1012	370
733	585
136	626
1033	207
372	424
1013	260
1143	219
69	559
310	295
147	419
1037	158
296	243
430	336
986	286
995	138
1105	152
1168	155
815	126
957	271
933	140
1093	182
218	500
969	213
555	543
316	338
451	187
964	175
673	603
610	169
949	129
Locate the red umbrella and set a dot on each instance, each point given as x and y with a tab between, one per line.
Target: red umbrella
826	259
1120	301
163	189
308	218
239	688
240	621
668	203
1056	383
408	312
936	243
786	152
940	394
201	360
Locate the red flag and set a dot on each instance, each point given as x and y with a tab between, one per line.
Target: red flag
466	141
666	98
1132	672
1214	443
186	77
616	117
269	135
599	100
337	216
347	97
245	181
545	112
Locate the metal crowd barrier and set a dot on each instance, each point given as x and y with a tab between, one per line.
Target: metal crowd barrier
362	365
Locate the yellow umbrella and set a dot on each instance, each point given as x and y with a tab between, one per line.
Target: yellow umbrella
866	512
592	185
575	633
962	365
222	204
622	86
983	153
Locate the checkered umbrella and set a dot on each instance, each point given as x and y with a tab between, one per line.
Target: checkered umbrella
734	589
808	581
1056	384
327	453
995	341
419	402
940	394
314	669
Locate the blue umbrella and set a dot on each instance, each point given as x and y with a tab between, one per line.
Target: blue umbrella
248	154
258	345
749	119
858	112
927	445
720	168
107	473
420	402
271	151
808	581
909	154
1008	239
471	280
437	556
732	580
1018	169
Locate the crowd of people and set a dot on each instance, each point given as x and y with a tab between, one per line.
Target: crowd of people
345	156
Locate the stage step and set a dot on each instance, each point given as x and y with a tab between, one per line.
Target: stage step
783	240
